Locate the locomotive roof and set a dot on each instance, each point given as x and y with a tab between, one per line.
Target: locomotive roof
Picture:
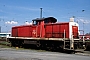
48	18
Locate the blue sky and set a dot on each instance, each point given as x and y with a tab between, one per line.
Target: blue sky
17	12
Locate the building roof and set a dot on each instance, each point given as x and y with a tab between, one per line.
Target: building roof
5	33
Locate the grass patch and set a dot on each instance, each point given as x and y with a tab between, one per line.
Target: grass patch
3	46
2	59
4	43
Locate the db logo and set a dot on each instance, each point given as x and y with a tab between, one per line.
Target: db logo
34	32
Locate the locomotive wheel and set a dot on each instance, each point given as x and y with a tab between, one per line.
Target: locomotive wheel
38	45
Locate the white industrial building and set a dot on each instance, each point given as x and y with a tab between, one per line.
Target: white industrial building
5	34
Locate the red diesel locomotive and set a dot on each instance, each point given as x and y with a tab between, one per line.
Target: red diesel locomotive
45	33
46	28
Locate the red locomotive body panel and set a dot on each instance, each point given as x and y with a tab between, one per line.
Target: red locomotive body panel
48	31
57	30
64	28
24	31
14	32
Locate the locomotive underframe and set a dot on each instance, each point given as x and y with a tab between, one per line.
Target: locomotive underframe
58	44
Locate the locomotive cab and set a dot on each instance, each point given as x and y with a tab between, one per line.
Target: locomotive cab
50	20
39	25
38	21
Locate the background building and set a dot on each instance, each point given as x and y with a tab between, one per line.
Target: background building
5	34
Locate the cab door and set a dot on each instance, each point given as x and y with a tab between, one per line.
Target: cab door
75	31
34	31
40	29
